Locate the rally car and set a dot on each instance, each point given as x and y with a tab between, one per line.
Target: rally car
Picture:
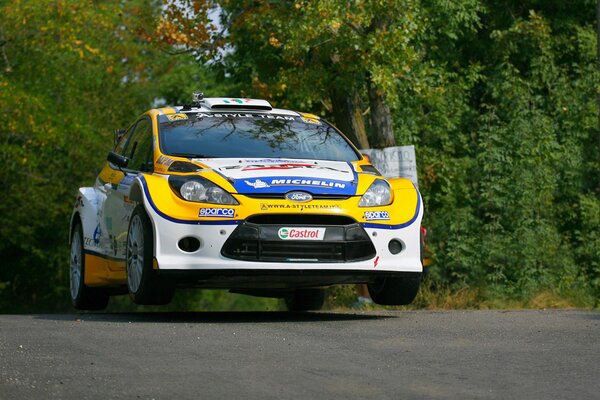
235	194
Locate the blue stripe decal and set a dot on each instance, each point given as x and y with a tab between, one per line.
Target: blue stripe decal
284	184
181	221
400	226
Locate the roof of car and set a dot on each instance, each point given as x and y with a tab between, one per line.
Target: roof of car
228	104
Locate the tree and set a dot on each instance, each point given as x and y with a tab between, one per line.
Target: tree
78	71
522	206
340	48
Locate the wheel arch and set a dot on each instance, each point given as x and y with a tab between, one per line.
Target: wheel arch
137	195
75	219
137	192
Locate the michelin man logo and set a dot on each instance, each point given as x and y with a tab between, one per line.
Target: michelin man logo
257	184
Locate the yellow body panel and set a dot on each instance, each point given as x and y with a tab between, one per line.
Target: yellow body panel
170	204
100	271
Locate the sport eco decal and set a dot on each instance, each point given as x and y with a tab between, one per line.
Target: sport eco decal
261	175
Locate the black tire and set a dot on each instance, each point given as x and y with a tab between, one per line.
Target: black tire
395	291
143	283
83	297
305	300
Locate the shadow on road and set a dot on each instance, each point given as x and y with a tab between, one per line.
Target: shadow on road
212	317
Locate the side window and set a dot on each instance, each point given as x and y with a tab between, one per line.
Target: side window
139	147
122	145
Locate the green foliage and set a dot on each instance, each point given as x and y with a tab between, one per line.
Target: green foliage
78	71
507	208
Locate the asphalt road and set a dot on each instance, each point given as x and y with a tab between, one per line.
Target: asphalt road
379	355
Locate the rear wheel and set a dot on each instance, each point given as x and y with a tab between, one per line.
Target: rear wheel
305	300
83	297
394	291
143	283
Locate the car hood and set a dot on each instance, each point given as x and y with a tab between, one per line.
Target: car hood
264	176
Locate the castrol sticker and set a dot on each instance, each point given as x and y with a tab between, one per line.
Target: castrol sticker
301	233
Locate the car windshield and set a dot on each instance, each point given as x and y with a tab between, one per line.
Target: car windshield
249	135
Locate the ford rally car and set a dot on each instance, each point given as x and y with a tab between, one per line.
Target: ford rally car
235	194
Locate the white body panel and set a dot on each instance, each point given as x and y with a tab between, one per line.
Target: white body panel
88	206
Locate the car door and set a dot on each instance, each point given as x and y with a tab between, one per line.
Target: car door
118	207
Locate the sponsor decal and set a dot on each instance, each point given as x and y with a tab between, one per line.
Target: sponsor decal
217	212
308	182
176	117
245	115
273	161
301	233
282	175
257	184
166	161
281	165
260	167
97	234
377	215
238	101
300	197
298	207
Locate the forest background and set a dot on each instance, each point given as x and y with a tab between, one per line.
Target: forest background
499	98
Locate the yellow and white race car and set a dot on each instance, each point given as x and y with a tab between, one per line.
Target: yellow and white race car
235	194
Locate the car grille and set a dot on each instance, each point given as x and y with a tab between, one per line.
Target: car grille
256	239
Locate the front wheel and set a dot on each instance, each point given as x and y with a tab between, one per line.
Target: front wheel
143	283
83	297
394	291
305	300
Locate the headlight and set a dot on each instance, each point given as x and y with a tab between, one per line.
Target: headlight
378	194
200	190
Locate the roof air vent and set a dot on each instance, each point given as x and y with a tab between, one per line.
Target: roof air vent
221	103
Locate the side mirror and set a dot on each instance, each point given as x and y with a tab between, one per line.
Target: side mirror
117	159
366	157
119	133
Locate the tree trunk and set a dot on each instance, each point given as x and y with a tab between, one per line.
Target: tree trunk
381	119
348	116
7	67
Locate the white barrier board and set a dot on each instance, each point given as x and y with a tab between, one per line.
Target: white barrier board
395	162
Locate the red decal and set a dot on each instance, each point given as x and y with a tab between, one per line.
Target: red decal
376	261
276	166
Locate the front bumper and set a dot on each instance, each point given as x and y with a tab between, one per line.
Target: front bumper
278	280
213	236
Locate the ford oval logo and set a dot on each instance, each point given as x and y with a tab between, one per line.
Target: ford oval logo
300	197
